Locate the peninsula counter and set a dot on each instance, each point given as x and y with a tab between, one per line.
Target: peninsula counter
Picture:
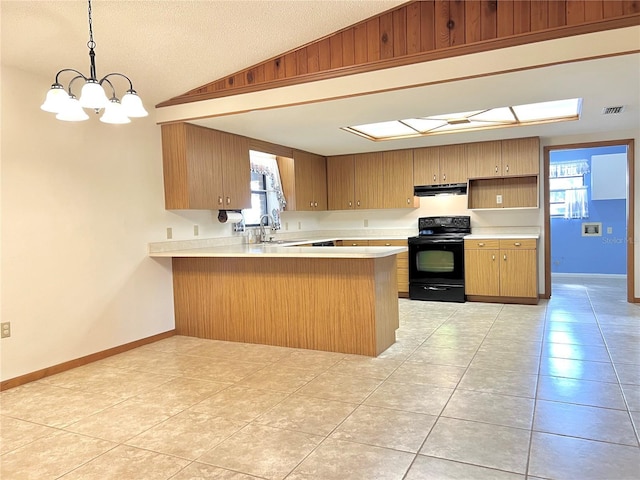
337	299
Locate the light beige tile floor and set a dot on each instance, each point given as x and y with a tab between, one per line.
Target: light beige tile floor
469	391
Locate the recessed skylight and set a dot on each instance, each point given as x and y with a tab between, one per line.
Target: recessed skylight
534	113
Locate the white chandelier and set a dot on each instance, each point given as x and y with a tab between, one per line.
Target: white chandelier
67	107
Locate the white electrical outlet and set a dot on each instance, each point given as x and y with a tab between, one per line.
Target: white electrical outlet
169	233
498	199
196	231
6	330
609	230
366	223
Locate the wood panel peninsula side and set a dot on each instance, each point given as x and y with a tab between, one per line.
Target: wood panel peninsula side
342	299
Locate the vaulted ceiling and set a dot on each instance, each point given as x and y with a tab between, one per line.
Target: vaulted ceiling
171	47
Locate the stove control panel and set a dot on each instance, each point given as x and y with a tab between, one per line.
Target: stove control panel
459	223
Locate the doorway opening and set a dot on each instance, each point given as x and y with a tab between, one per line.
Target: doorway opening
589	199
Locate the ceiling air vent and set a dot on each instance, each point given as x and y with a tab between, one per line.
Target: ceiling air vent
612	110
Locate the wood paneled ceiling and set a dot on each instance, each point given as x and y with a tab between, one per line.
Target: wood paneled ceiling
421	31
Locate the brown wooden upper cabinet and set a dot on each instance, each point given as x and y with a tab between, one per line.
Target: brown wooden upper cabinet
304	180
503	158
341	182
205	169
356	181
369	180
439	165
398	179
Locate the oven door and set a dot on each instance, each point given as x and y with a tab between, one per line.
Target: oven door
436	269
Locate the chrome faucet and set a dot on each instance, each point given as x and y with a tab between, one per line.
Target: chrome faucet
263	233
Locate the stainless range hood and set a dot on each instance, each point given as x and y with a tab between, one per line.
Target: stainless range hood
432	190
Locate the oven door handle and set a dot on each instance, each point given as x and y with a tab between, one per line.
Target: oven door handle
435	289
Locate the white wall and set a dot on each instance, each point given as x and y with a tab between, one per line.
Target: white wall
80	203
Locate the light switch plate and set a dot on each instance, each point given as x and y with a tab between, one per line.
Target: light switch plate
609	230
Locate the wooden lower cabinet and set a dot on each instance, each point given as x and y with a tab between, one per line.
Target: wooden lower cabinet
501	270
403	259
403	263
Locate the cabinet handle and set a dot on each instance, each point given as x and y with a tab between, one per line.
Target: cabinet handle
228	200
493	257
315	204
434	178
354	244
444	177
496	168
358	203
387	244
408	201
480	244
350	204
505	258
517	244
507	168
311	204
219	200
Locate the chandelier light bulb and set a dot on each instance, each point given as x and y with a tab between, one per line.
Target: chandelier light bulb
114	113
92	95
72	111
56	99
132	105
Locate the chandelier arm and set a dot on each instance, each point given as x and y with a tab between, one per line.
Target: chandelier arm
74	79
119	75
69	70
113	89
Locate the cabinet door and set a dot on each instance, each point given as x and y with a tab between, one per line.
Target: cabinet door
398	179
303	173
319	177
369	180
481	272
518	276
340	182
521	156
192	172
236	171
426	166
484	159
453	164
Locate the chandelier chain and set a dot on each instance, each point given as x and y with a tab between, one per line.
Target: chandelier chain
91	44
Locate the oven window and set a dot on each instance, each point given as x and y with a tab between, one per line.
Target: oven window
435	261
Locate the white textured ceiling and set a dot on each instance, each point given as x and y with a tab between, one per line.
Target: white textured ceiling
169	47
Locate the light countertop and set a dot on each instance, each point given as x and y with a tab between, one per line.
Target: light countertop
281	250
501	236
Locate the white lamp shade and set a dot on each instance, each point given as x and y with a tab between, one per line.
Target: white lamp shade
55	100
132	105
113	113
93	96
72	111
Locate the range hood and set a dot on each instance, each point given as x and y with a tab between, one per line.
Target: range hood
448	189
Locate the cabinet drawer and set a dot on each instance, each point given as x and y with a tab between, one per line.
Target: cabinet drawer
388	243
482	244
355	243
522	243
403	260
